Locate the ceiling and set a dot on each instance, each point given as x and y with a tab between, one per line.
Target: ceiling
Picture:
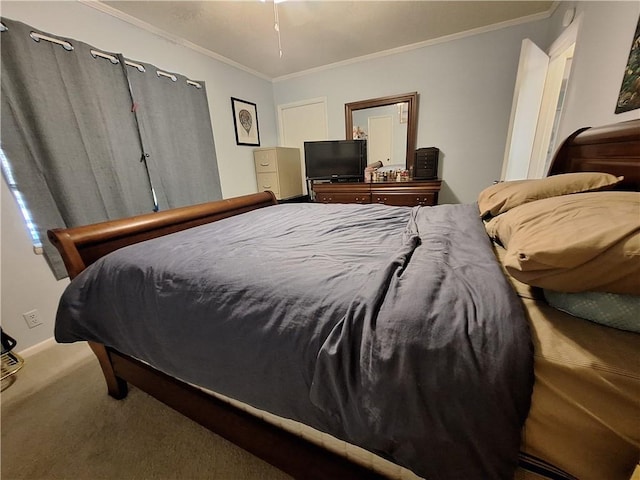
314	34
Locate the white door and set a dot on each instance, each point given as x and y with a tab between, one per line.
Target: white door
541	85
552	100
555	89
301	122
527	97
380	139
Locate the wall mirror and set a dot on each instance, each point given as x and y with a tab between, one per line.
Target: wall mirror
389	126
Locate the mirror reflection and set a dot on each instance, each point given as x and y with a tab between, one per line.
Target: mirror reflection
385	129
389	126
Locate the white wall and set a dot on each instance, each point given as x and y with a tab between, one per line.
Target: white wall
27	282
599	62
465	90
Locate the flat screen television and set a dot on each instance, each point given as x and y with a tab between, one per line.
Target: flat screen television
337	160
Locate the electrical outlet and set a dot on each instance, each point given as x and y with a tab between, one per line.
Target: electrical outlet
32	318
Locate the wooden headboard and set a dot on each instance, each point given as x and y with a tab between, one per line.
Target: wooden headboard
612	149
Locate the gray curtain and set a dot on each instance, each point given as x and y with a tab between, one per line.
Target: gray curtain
69	134
75	126
176	132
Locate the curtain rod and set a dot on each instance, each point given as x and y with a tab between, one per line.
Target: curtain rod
113	59
96	53
135	65
160	73
38	36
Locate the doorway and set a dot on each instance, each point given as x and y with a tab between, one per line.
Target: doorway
550	112
302	122
540	90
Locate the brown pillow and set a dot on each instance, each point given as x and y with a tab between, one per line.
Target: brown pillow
574	243
504	196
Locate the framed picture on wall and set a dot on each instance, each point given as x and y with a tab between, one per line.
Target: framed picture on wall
245	121
629	97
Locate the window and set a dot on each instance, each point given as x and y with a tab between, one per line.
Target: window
26	214
76	123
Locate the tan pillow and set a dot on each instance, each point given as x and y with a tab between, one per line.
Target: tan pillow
574	243
504	196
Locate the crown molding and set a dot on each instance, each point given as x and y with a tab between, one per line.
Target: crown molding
97	5
426	43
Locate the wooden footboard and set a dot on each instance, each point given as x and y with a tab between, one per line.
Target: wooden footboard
81	246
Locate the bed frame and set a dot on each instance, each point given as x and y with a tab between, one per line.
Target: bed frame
614	149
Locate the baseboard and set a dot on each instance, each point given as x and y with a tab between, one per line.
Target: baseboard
45	363
56	357
38	347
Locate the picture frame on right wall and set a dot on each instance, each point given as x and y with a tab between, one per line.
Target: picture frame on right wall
629	97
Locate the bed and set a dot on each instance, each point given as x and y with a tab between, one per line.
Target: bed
347	395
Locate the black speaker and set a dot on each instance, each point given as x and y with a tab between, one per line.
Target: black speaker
425	163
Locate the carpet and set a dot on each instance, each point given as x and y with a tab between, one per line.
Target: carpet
71	429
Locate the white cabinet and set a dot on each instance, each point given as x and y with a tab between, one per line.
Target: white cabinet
278	169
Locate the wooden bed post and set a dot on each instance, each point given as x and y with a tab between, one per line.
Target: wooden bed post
116	386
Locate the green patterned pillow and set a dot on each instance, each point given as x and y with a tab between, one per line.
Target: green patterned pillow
610	309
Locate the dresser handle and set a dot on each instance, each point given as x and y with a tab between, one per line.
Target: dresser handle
266	186
264	164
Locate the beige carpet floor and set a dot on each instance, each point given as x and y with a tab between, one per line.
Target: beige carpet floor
69	428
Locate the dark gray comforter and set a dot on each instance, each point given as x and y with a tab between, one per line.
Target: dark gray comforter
390	327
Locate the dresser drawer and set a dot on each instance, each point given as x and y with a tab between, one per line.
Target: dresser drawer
342	192
268	181
405	199
265	161
408	194
333	197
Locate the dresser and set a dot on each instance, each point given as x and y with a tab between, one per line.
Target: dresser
278	169
411	193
